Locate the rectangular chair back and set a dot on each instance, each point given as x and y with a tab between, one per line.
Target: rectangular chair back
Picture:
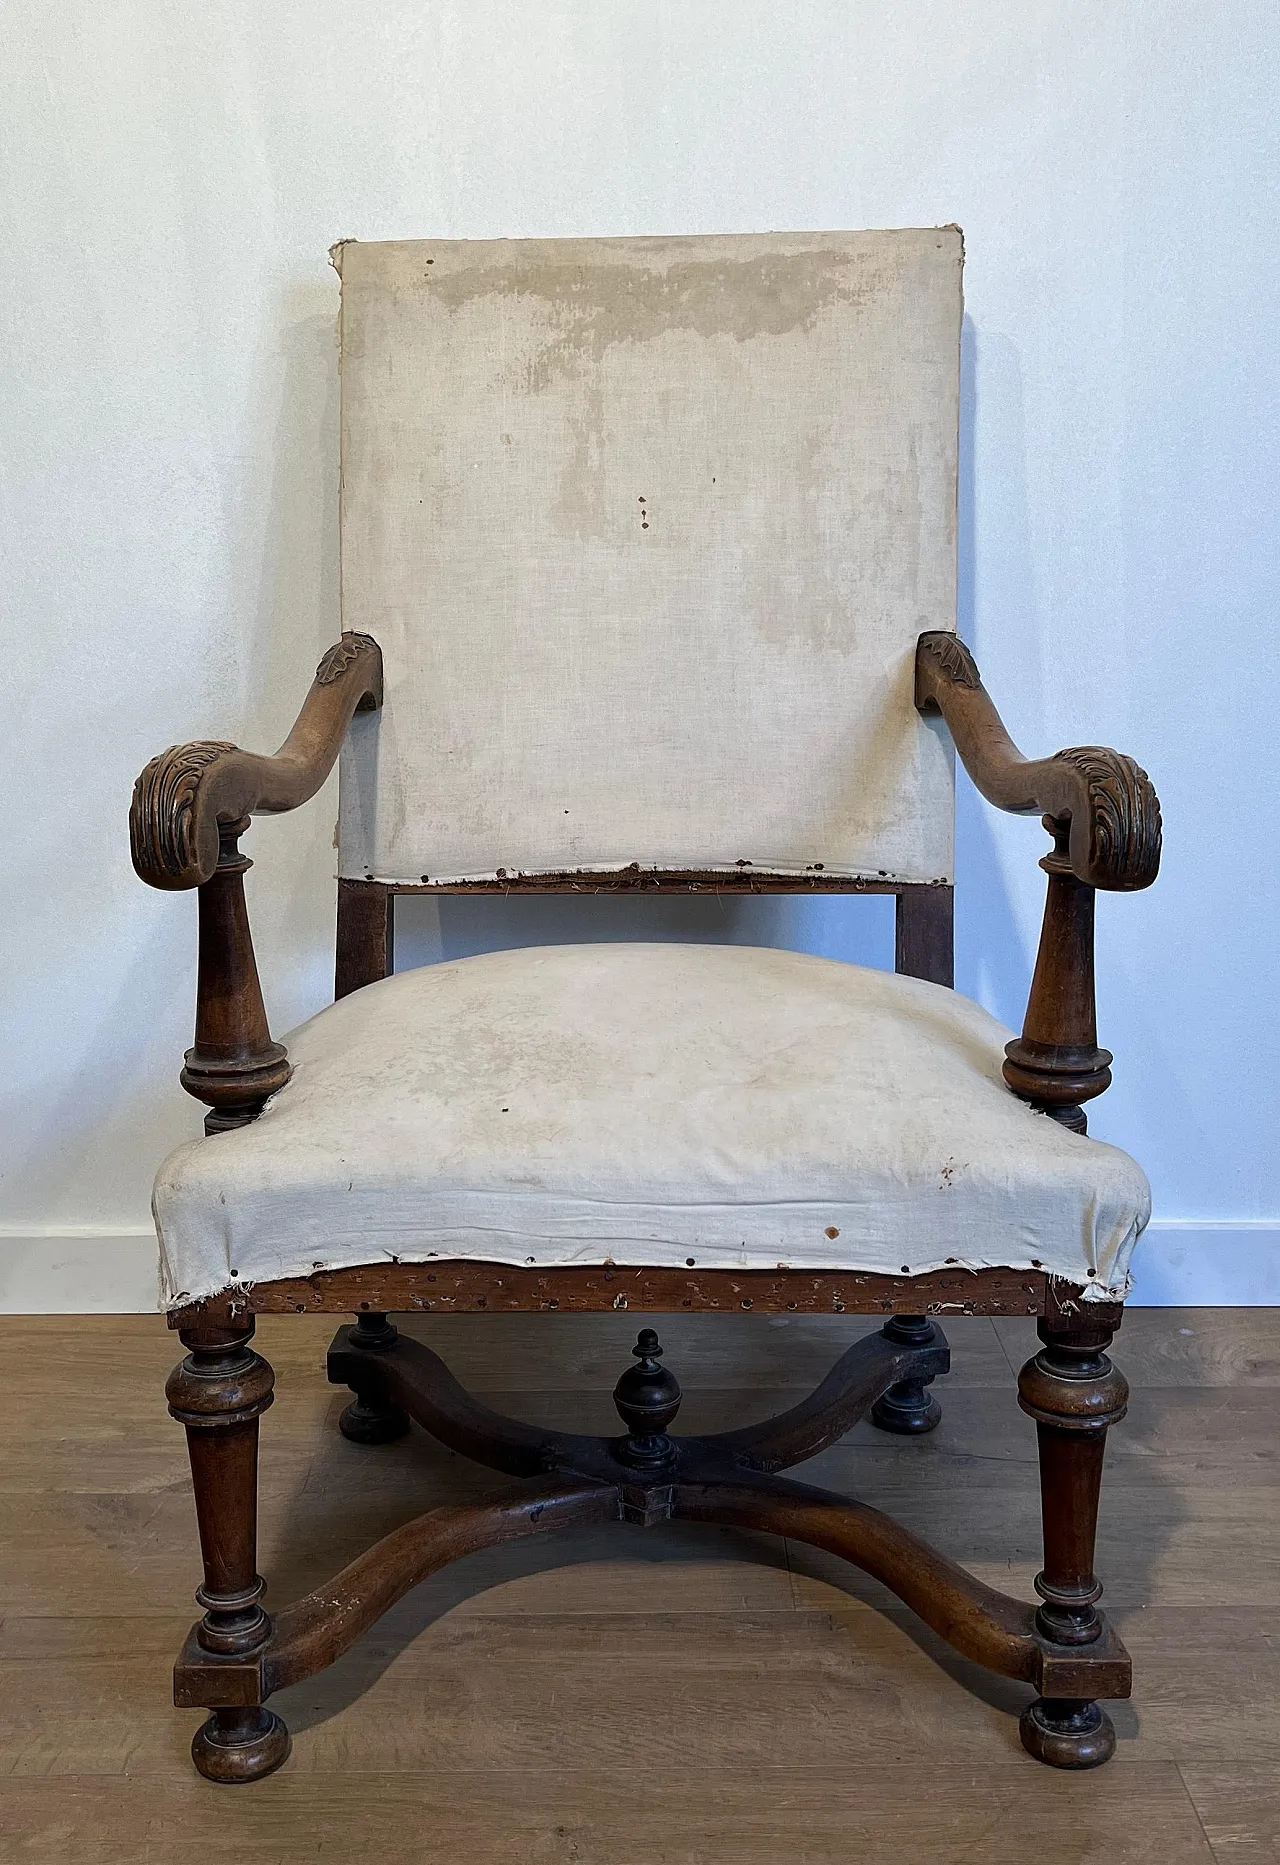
647	530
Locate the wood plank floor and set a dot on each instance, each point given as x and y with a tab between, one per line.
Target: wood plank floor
678	1696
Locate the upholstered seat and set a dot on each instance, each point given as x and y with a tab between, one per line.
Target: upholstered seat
649	1104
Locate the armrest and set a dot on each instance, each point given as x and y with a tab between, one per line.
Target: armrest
1109	802
1104	816
183	796
190	807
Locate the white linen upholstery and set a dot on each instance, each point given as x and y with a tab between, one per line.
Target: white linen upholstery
732	1106
647	530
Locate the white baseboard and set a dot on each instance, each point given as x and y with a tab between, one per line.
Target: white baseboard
81	1269
99	1270
1188	1262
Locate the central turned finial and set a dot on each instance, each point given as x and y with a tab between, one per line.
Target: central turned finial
648	1398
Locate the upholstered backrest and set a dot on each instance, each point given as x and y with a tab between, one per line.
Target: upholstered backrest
646	530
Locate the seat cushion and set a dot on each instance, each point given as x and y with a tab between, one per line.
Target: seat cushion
726	1106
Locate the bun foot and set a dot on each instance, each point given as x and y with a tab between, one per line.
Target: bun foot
240	1745
908	1408
366	1421
1067	1733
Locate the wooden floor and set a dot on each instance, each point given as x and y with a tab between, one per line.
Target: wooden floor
670	1696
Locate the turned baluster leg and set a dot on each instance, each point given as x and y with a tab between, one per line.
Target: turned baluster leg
908	1407
370	1419
1074	1394
219	1392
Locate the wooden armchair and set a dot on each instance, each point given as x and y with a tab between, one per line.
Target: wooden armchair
648	556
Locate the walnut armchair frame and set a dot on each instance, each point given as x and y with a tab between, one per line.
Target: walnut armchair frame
190	807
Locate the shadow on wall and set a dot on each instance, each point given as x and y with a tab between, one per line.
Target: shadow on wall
993	957
291	588
291	579
833	926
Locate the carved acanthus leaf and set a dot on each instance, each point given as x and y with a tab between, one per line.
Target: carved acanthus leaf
162	815
341	656
1124	817
952	658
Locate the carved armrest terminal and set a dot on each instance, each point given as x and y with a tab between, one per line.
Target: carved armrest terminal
1104	816
190	807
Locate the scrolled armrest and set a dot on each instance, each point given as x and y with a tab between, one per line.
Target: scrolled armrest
1109	802
190	806
184	794
1103	813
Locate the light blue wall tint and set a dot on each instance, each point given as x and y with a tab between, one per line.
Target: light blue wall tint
858	929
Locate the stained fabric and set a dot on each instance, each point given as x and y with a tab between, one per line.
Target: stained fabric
730	1106
647	530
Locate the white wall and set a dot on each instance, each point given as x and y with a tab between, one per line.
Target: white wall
172	179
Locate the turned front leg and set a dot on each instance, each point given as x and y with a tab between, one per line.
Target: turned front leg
1075	1395
218	1393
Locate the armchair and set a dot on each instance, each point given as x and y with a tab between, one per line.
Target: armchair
641	1128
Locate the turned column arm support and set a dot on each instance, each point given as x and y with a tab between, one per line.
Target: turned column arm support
190	807
184	796
1103	813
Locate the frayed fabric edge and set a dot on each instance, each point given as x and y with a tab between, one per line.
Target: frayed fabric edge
1092	1293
